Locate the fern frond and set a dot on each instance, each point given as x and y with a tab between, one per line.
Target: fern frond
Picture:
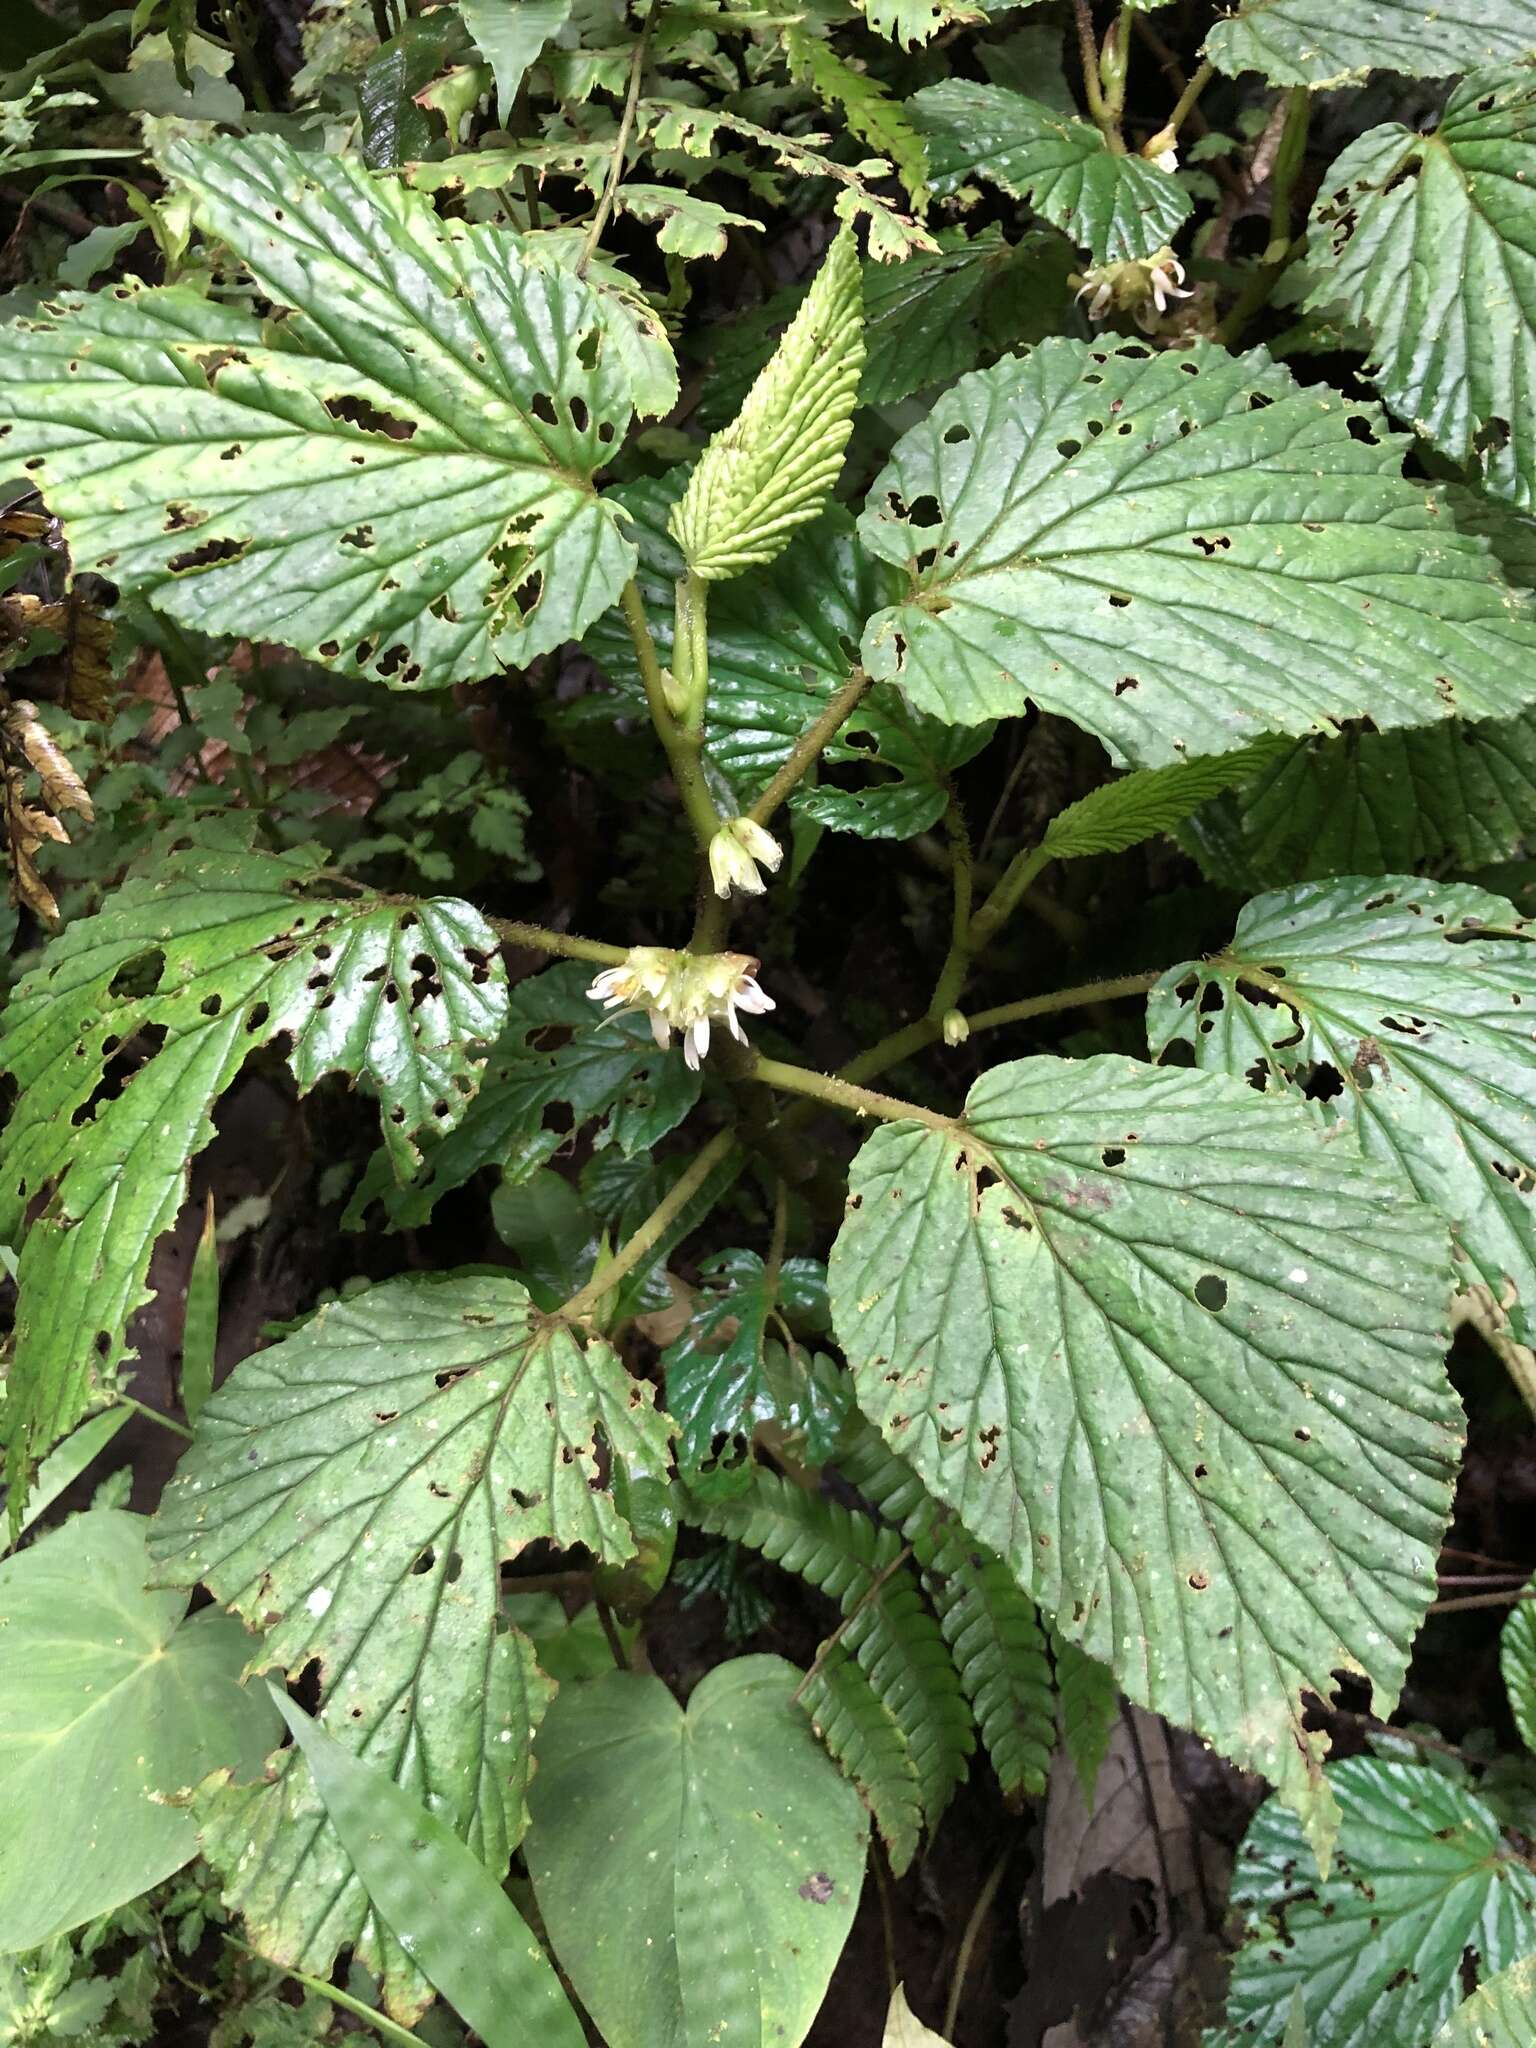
860	1731
1090	1704
991	1626
887	1627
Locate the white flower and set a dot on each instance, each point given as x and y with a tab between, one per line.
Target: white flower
734	853
1139	287
956	1027
685	993
1165	278
1165	159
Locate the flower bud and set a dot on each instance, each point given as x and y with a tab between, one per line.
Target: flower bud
956	1027
734	854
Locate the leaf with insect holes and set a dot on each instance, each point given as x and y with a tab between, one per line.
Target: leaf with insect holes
772	469
1407	1009
1428	242
1179	551
1317	43
871	110
355	1491
1177	1359
399	483
1425	1898
138	1019
1501	2013
1117	207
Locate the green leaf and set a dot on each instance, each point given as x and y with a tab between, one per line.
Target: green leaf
218	953
1418	236
686	225
392	115
64	1465
557	1047
511	33
1116	207
1402	1006
1177	1359
782	641
920	317
108	1699
401	488
1319	44
858	1727
724	1376
773	468
1517	1663
871	110
438	1899
916	21
1500	2014
1090	1707
1149	801
357	1489
638	1811
1179	551
886	1626
1452	795
1425	1889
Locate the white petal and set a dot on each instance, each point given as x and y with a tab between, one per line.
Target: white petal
734	1022
661	1030
700	1033
749	997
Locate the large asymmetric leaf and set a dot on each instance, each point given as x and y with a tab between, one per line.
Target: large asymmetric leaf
782	640
442	1903
1177	1359
697	1874
512	33
108	1699
1425	1897
140	1017
1180	551
1319	43
356	1490
1115	206
1408	1006
1428	242
1500	2014
400	483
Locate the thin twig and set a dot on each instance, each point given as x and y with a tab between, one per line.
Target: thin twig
153	1415
809	746
651	1231
973	1927
620	146
1467	1601
539	938
611	1632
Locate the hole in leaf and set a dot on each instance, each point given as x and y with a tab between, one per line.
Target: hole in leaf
1211	1292
360	412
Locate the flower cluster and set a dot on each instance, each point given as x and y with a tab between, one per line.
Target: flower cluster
734	854
684	992
1143	288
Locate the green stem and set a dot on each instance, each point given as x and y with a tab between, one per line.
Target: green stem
1093	91
379	2021
652	1230
841	1094
808	748
684	751
620	146
245	61
539	939
152	1415
1184	107
946	990
691	631
973	1927
911	1038
1004	900
1115	65
1283	245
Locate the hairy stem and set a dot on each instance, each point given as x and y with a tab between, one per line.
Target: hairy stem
1093	91
911	1038
683	750
635	1249
539	939
604	211
807	749
841	1094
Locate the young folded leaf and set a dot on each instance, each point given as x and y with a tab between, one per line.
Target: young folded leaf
773	468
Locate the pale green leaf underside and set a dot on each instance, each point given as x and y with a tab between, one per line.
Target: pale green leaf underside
1149	801
401	487
107	1697
356	1489
512	33
223	951
1429	243
1420	998
1178	552
1179	1364
1116	207
639	1813
1320	43
772	469
1499	2014
449	1910
1423	1880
